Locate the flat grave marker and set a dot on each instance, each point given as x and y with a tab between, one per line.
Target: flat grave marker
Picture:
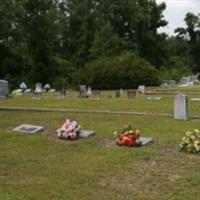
86	133
27	128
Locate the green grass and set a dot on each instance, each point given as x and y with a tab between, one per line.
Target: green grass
34	167
43	167
140	104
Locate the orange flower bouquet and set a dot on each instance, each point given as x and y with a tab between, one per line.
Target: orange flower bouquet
128	136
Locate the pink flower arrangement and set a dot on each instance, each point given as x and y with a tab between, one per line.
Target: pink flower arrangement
69	130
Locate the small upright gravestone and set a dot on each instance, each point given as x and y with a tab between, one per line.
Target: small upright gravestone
89	91
141	89
38	91
47	87
82	91
95	95
63	94
181	107
4	91
117	93
23	86
131	94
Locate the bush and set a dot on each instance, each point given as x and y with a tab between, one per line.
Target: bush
125	71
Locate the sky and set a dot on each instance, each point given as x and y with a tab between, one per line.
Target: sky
176	11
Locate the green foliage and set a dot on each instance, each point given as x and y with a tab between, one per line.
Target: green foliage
174	69
125	71
104	47
192	35
40	39
64	72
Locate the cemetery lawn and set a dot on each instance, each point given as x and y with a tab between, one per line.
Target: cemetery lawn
140	104
34	167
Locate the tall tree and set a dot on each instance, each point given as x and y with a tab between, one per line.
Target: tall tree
80	26
192	34
41	24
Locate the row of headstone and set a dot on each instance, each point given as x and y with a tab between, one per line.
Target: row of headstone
189	80
168	84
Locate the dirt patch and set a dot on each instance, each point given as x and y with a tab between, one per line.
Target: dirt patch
109	143
54	138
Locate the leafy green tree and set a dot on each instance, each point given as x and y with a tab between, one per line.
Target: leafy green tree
41	24
80	29
106	42
192	35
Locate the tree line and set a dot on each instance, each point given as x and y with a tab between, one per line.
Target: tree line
104	43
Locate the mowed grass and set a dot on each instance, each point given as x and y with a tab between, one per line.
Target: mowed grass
40	166
140	104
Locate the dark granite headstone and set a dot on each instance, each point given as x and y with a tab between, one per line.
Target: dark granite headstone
4	90
82	91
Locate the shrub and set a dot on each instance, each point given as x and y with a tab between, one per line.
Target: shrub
125	71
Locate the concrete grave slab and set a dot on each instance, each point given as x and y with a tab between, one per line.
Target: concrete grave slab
86	133
154	98
194	99
27	128
146	140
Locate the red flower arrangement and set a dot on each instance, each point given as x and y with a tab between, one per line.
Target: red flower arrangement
128	136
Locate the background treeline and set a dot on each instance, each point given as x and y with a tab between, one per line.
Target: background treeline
103	43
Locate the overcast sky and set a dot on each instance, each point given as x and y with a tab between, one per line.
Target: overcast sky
176	11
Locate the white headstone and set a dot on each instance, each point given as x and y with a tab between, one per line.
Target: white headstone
89	91
181	107
23	86
38	88
141	89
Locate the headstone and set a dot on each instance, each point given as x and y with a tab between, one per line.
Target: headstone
38	91
117	93
141	89
38	88
63	94
181	107
82	91
18	92
121	92
89	91
4	90
131	94
52	90
95	95
86	133
47	87
27	91
23	86
27	128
